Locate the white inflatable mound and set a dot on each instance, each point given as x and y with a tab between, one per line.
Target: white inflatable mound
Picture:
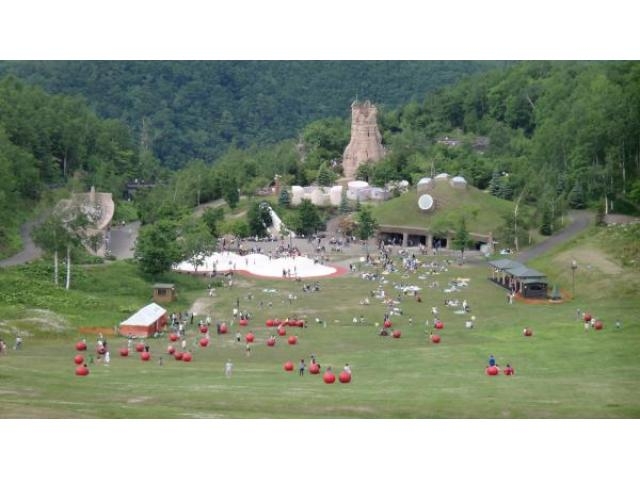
425	202
259	264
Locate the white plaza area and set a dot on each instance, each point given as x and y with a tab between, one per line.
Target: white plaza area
260	265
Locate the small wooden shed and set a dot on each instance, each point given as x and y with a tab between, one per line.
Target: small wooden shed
164	292
145	322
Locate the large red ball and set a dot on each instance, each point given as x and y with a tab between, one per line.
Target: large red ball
178	355
80	346
439	325
387	324
249	337
187	357
78	359
528	332
344	377
288	366
508	371
328	377
282	331
396	333
173	336
124	352
82	371
204	329
271	342
586	317
314	368
171	349
598	325
223	328
435	338
140	347
101	350
204	342
493	370
269	323
244	322
145	356
292	340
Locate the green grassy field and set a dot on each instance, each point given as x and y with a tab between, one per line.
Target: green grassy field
561	371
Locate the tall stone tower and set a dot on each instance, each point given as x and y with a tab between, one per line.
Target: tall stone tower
366	142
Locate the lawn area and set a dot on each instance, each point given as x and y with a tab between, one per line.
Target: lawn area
561	371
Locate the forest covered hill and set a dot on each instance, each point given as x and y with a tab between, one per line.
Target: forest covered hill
184	110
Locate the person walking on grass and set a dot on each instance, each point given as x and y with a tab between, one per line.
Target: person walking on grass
301	367
228	369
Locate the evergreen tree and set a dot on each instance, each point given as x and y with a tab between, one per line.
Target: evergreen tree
576	196
344	202
325	176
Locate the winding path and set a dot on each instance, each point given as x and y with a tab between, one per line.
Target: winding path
580	220
29	251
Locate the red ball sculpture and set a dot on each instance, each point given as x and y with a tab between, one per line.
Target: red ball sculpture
171	349
82	371
244	322
204	329
282	331
586	317
223	328
178	355
396	333
509	371
439	325
145	356
271	342
187	357
598	325
314	368
203	342
328	377
269	323
249	337
435	338
124	352
288	366
527	332
140	347
81	346
173	336
387	324
101	350
493	370
292	340
344	377
78	359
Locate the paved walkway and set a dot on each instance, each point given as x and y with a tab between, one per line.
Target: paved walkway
29	251
580	220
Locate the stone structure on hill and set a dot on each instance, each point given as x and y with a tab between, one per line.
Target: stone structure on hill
366	141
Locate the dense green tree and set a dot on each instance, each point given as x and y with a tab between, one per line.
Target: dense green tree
157	247
365	223
212	218
308	218
462	239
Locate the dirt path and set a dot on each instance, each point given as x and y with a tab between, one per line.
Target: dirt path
581	219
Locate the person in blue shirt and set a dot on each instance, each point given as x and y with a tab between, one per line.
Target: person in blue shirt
492	361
